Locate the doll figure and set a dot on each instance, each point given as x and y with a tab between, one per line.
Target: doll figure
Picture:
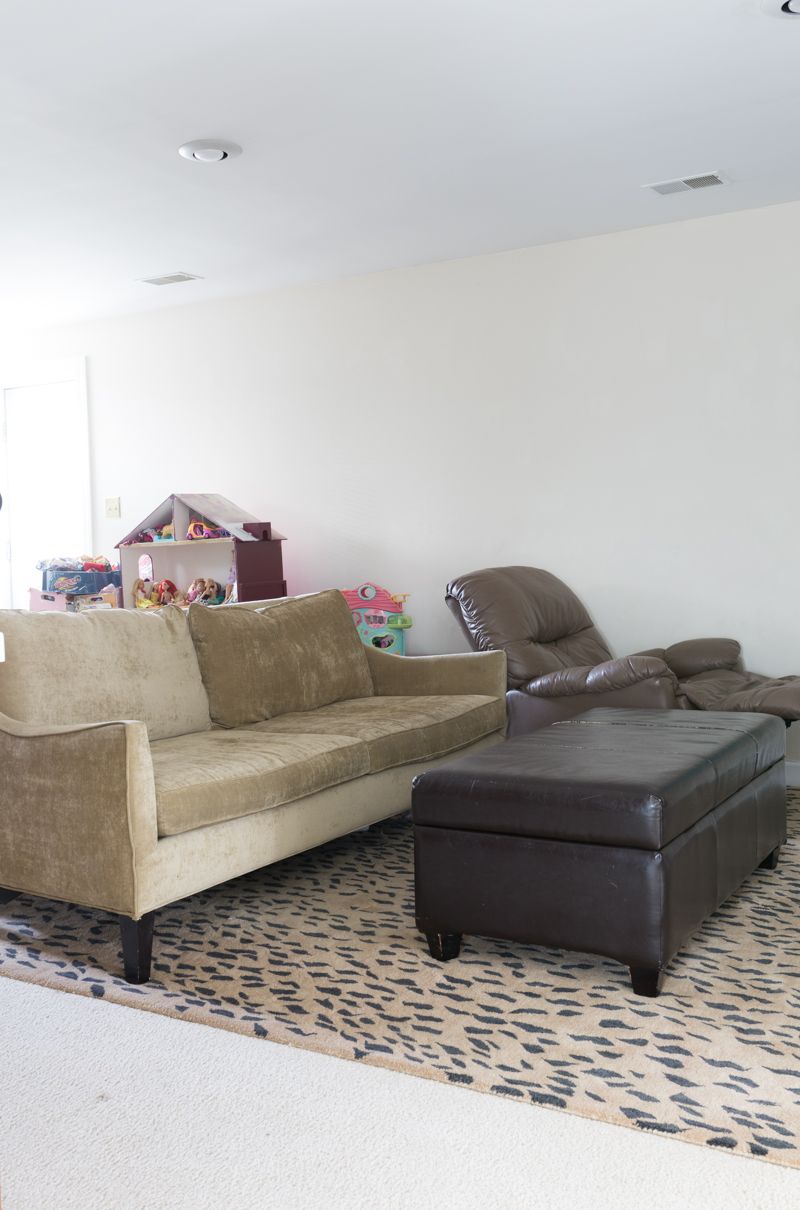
212	593
165	592
230	587
196	589
142	594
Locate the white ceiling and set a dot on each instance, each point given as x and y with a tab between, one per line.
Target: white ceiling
375	134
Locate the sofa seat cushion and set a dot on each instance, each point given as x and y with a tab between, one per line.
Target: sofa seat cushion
205	779
293	655
398	730
101	665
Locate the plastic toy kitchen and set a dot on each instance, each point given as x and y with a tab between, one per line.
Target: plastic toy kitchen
379	617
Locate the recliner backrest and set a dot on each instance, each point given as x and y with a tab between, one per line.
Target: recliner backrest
531	615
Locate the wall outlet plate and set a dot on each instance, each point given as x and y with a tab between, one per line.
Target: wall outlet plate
113	510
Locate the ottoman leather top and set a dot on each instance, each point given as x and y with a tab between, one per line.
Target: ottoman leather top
636	778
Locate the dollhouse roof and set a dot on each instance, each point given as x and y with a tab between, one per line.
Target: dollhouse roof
217	511
381	602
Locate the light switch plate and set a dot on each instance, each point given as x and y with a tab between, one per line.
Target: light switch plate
113	510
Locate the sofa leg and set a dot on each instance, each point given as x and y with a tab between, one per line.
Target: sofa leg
7	896
770	862
137	946
646	980
444	946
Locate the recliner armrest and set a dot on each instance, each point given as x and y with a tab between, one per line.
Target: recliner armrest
599	678
528	713
694	656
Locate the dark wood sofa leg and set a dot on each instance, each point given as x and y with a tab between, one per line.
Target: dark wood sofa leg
646	980
770	862
7	896
137	946
444	946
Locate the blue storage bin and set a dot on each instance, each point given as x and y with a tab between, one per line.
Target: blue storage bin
55	579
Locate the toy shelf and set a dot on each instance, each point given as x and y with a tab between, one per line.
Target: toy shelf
168	542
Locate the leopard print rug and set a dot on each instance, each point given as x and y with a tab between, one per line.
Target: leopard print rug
321	952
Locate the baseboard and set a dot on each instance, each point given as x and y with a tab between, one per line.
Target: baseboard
793	773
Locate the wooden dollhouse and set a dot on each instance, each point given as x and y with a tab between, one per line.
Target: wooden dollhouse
191	536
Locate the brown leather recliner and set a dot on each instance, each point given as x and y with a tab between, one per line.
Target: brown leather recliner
559	664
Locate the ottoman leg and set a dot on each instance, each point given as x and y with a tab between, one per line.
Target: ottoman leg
646	980
444	946
770	862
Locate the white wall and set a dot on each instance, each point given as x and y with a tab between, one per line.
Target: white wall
623	410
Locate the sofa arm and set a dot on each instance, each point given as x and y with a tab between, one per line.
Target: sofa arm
599	678
420	675
694	656
77	811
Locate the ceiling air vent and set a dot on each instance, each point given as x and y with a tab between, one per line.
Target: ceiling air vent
685	183
169	279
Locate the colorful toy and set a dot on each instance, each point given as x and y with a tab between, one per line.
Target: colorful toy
212	594
143	595
82	563
379	617
165	593
161	533
231	594
204	592
196	588
198	530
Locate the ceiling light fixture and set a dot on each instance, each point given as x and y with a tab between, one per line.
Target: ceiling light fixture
169	279
781	8
209	151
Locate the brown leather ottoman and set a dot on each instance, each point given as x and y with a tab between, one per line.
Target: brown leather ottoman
616	832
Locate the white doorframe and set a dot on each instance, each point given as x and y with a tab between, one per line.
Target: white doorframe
29	373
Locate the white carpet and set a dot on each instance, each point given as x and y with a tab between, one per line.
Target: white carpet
107	1108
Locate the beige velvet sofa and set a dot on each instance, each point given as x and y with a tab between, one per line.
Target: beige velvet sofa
146	756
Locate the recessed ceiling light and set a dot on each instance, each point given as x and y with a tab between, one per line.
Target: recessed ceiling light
781	8
209	151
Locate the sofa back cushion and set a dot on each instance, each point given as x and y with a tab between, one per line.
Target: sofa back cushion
100	665
295	655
